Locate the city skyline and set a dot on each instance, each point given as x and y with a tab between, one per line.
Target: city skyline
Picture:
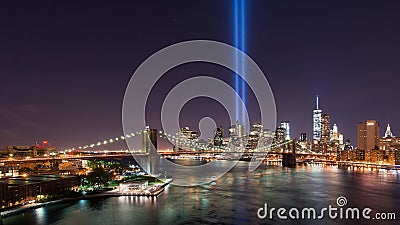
286	124
199	112
59	71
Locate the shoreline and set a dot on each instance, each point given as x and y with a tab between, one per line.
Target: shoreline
29	207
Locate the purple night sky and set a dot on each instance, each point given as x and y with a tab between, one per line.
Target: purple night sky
65	66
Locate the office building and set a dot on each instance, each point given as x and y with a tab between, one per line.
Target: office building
388	132
325	129
368	141
257	128
186	139
368	135
237	135
19	190
286	125
218	137
317	112
279	135
254	136
303	137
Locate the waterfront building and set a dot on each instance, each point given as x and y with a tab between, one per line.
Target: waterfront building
133	186
396	157
389	144
389	141
19	190
29	150
346	155
376	155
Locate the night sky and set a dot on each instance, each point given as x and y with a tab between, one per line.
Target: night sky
64	66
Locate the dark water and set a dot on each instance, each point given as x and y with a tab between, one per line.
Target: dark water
235	199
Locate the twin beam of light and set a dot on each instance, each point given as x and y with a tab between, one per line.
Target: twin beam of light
239	9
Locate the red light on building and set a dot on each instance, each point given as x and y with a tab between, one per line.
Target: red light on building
45	142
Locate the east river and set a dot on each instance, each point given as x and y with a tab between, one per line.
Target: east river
236	197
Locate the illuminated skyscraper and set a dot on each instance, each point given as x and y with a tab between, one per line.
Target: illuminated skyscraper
254	136
303	137
279	135
334	133
368	135
187	139
286	125
341	138
388	132
257	127
325	129
218	137
317	122
237	133
336	136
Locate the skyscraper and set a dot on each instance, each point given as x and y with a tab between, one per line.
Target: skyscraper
388	132
257	127
218	137
237	133
325	129
335	133
317	122
254	136
303	137
336	136
187	139
368	135
279	135
286	125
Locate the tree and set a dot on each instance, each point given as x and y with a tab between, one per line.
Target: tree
116	167
94	164
99	177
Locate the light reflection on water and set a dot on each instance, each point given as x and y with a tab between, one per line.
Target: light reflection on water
235	199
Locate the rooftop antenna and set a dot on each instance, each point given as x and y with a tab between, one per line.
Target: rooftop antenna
317	102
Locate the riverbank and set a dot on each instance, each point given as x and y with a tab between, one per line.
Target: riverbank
32	206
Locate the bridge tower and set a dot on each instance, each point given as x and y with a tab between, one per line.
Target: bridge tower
289	159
